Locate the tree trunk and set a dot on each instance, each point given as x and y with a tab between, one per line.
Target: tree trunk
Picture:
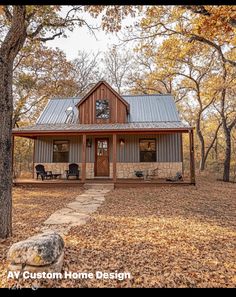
10	47
6	109
216	150
202	144
226	175
212	143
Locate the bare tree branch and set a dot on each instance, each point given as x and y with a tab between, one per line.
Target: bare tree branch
7	13
212	44
44	39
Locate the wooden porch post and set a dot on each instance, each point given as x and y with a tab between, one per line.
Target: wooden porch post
33	157
114	148
83	158
192	165
182	153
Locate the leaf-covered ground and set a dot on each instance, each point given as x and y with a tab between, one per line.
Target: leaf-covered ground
31	207
181	236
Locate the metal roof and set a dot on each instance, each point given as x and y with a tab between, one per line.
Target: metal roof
104	127
152	108
143	108
55	111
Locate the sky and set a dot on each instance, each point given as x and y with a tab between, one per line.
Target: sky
82	39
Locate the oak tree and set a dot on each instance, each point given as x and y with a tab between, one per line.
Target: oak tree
39	24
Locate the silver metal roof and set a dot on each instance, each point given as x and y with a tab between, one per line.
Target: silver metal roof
143	108
104	127
152	108
55	111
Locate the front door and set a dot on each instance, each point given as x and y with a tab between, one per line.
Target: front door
102	157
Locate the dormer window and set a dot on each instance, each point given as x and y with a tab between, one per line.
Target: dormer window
102	109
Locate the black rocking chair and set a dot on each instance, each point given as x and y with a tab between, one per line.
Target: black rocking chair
73	171
40	171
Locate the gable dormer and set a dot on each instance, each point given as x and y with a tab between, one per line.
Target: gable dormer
102	105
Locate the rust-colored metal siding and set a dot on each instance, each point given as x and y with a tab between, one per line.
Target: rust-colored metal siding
168	148
88	108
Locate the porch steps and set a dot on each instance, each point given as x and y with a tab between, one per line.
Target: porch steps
101	186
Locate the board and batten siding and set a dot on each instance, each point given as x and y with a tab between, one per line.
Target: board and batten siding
44	149
168	148
87	109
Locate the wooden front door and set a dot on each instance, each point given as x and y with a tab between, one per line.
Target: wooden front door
102	157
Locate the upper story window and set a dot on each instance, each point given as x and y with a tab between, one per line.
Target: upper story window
102	109
147	149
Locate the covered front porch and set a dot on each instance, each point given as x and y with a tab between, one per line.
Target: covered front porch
114	157
120	182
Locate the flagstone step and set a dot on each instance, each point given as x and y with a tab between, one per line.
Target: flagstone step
99	186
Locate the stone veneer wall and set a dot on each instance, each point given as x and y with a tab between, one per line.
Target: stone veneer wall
60	168
124	170
89	170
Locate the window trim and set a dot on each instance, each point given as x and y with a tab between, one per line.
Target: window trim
66	140
109	109
140	139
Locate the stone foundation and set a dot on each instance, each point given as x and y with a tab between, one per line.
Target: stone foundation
165	169
55	168
124	170
62	167
89	170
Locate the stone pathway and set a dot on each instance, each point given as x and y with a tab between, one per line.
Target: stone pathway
77	212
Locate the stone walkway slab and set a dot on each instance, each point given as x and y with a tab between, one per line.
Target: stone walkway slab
76	213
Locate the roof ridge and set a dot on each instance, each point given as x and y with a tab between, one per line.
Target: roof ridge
141	95
61	98
155	121
167	94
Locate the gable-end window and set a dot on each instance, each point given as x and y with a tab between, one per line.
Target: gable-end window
147	149
102	109
61	151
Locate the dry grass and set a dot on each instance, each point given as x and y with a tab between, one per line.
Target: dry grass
165	237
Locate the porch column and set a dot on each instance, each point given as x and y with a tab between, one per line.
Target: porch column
83	158
33	157
114	148
192	165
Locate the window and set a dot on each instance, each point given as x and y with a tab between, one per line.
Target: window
147	148
61	151
102	109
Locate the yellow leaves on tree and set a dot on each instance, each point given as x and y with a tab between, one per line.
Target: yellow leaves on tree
112	15
214	26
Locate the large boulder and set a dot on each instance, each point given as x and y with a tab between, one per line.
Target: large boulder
42	250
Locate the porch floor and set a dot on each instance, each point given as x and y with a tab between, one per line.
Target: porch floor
119	182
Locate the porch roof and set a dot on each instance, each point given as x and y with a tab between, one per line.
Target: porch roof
40	129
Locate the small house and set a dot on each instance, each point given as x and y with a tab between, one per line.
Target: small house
110	136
